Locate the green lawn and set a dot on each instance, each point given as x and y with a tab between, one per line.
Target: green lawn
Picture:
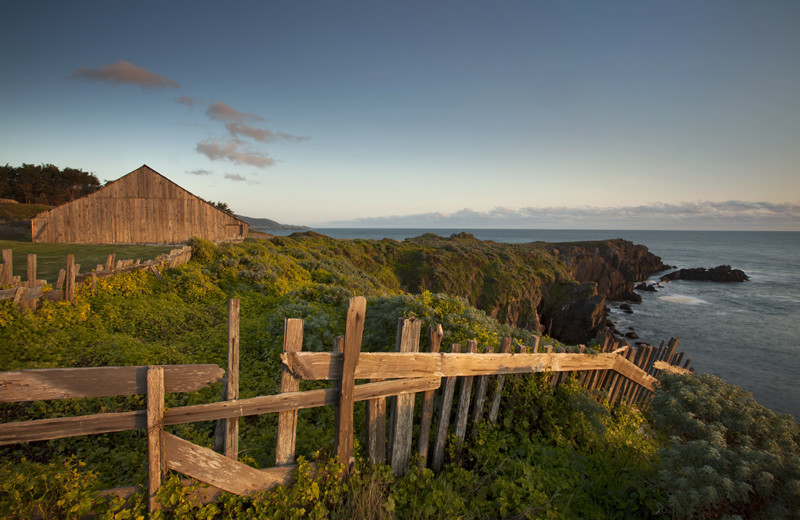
52	257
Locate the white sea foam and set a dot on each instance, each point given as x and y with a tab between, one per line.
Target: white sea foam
686	300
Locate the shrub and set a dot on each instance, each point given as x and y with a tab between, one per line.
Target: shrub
728	456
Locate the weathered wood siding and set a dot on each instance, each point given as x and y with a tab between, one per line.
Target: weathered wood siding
142	207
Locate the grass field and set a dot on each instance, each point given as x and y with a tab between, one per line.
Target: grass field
52	257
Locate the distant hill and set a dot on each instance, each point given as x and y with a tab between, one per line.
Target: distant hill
265	224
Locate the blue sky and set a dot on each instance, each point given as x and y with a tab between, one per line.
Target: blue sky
633	115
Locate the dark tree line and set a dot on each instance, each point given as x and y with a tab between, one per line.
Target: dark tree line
45	184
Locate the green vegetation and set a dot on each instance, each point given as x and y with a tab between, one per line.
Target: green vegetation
50	258
554	455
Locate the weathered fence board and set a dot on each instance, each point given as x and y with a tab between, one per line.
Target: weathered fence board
226	438
435	335
324	365
70	383
480	397
45	429
464	398
156	464
218	470
287	420
444	417
402	418
353	332
505	348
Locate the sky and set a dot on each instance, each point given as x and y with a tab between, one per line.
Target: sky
502	114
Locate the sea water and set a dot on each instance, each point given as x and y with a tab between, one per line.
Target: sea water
747	333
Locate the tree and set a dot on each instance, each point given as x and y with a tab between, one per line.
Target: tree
222	206
45	184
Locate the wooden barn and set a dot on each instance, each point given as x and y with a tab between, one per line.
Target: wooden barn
143	207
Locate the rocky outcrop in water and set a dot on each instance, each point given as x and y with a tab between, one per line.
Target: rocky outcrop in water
721	273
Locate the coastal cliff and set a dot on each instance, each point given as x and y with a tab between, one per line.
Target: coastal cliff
556	289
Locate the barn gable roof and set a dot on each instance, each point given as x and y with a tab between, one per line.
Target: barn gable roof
140	207
137	179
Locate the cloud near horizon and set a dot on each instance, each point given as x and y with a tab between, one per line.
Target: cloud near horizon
231	151
734	214
199	172
124	72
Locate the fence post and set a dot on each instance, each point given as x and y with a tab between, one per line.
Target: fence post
69	287
480	394
444	418
505	348
226	435
287	421
6	272
464	399
156	462
435	335
376	428
338	347
353	332
32	282
402	416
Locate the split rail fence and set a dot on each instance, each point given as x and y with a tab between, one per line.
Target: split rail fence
622	373
26	293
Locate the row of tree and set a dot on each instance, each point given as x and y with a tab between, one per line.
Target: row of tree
45	184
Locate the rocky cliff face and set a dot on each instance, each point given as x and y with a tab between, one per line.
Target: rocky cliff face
557	289
613	267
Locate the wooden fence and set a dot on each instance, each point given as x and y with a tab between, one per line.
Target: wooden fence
621	374
27	293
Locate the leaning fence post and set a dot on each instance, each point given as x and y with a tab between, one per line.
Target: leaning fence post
505	348
226	436
156	462
444	417
353	332
464	399
435	335
480	394
402	418
287	420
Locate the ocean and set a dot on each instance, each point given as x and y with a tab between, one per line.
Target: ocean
746	333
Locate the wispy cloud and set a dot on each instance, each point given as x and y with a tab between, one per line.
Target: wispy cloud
231	151
235	177
261	134
185	100
199	172
223	112
734	214
124	72
236	125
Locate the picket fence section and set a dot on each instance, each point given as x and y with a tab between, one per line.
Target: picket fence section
27	293
618	373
